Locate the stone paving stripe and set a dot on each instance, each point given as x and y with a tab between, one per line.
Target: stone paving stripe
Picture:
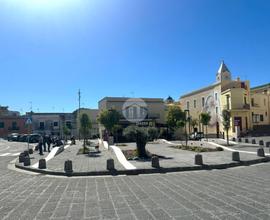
233	150
50	156
5	154
122	159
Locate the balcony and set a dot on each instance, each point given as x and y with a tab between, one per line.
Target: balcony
237	107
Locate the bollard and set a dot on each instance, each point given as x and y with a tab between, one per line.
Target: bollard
68	166
253	141
233	139
21	158
26	161
26	153
267	144
198	159
31	151
42	164
246	140
155	162
239	140
110	164
261	143
260	152
235	156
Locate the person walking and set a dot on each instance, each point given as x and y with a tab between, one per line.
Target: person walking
44	142
49	141
40	143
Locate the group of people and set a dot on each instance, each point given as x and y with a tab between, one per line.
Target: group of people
45	142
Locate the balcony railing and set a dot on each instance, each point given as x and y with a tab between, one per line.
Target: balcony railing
238	106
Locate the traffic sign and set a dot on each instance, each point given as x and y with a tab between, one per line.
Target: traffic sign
29	121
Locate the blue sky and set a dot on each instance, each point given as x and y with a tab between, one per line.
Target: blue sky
144	48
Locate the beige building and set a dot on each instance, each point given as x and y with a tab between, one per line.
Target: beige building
248	107
141	111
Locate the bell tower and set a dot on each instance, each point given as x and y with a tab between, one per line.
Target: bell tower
223	73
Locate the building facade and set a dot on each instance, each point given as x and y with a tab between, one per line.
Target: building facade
12	122
248	107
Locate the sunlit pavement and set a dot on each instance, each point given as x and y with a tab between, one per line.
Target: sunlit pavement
240	193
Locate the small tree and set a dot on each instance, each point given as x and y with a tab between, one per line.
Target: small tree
153	133
205	119
193	123
85	129
175	117
66	131
140	135
109	118
226	116
115	131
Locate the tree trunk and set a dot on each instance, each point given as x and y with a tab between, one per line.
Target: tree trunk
206	134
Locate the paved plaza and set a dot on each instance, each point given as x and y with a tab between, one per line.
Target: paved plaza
237	193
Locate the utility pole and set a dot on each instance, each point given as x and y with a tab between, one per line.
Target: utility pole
79	114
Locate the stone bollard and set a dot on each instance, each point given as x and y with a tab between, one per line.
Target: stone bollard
267	144
261	143
110	164
234	139
21	158
260	152
235	156
31	151
26	153
253	141
198	159
42	164
246	140
68	166
26	161
155	162
239	140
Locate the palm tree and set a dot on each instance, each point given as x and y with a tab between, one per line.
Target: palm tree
205	119
226	116
85	129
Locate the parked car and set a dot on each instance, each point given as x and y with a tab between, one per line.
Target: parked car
13	137
196	136
23	138
34	138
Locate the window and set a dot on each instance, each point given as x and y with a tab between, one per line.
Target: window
216	110
245	100
216	96
55	124
228	102
41	125
202	101
2	124
187	104
14	125
265	114
194	103
261	117
264	102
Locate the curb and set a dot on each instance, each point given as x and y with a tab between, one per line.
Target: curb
147	171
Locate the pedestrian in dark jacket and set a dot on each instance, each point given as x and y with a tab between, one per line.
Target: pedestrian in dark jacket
49	141
44	142
40	142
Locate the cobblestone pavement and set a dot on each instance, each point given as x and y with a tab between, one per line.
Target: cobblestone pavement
9	149
182	158
83	163
239	193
